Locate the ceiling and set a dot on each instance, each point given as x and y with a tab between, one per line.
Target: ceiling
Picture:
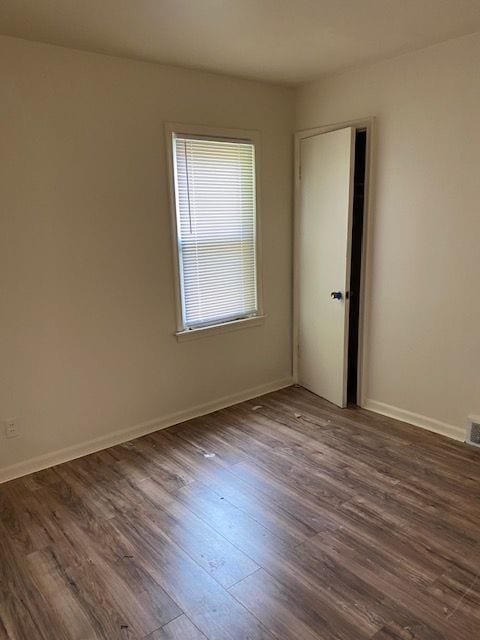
284	41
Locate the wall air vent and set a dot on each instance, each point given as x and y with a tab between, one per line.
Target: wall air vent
473	431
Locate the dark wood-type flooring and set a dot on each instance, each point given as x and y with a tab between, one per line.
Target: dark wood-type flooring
307	523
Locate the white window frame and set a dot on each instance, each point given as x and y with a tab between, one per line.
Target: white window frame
171	128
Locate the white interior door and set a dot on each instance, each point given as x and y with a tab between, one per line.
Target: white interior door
323	250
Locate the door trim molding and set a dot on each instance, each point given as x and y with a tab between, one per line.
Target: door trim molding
367	123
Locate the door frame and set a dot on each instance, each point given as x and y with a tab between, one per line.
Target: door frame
363	123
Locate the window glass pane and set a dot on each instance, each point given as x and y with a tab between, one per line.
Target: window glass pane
215	200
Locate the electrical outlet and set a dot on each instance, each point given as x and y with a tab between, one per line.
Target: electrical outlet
11	429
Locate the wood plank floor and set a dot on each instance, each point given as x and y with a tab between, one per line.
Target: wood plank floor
282	518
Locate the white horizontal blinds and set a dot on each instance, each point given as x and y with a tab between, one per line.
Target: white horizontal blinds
215	198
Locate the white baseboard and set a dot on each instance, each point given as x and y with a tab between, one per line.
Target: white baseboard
117	437
418	420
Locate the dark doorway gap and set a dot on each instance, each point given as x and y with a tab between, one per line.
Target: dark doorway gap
356	263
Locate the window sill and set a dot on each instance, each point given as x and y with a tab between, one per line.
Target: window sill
226	327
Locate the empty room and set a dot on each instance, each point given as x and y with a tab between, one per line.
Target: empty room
239	320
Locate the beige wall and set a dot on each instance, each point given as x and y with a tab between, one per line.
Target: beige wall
424	309
86	286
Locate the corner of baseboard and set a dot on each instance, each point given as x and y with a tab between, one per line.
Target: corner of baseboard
416	419
60	456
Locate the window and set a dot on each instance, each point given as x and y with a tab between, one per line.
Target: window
216	229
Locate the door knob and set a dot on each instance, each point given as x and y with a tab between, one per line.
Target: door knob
336	295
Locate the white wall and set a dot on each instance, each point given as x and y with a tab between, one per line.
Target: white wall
424	310
86	286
